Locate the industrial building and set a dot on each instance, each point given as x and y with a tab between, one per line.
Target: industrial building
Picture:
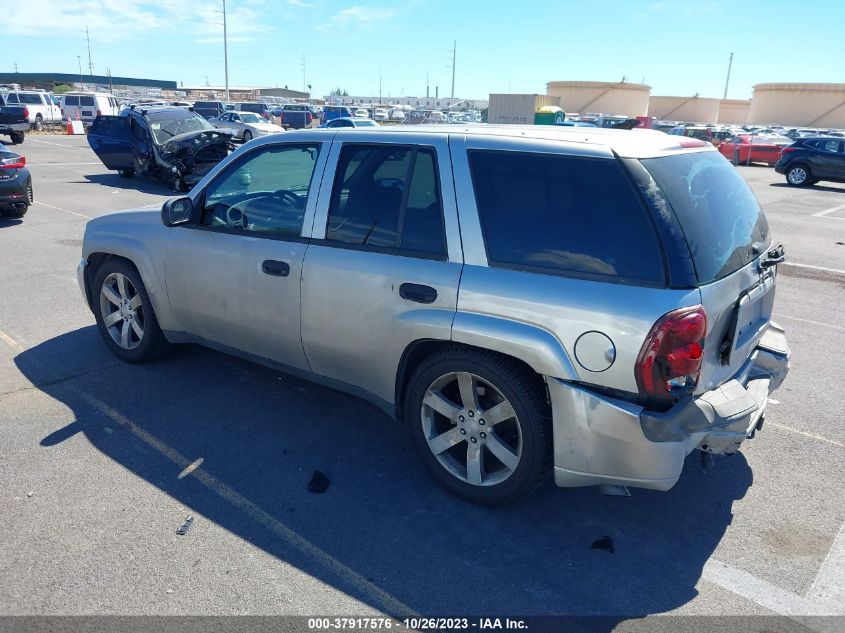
693	108
600	96
801	105
48	81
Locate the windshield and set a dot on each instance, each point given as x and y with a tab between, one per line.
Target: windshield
167	126
251	118
721	219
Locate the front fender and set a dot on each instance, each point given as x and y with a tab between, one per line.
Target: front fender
538	348
146	254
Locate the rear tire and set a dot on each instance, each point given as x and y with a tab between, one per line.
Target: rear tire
124	313
15	214
17	137
798	175
39	123
247	136
511	450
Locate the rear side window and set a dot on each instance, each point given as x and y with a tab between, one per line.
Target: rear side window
31	99
721	219
110	126
387	198
564	215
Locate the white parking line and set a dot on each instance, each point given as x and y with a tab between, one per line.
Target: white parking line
792	318
8	340
759	591
59	164
81	215
822	268
829	586
827	212
32	140
806	434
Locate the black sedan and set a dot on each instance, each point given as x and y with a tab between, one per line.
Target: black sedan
809	160
15	184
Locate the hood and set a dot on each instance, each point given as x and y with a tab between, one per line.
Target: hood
202	136
266	127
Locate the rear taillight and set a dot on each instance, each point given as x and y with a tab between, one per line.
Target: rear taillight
26	112
670	360
788	150
18	162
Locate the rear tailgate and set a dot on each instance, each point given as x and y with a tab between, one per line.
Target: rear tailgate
728	239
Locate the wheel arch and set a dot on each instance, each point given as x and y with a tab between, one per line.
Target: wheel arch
143	266
417	351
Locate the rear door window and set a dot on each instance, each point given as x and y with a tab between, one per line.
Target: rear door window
721	219
564	215
87	102
71	100
387	198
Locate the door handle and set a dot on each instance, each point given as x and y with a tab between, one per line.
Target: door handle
418	293
277	269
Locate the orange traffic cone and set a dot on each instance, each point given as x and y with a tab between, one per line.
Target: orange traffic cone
69	128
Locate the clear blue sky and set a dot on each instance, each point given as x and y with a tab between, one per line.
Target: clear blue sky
679	48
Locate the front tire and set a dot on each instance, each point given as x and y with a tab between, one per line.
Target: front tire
798	176
247	136
124	313
481	425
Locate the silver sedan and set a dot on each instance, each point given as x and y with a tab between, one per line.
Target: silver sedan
247	125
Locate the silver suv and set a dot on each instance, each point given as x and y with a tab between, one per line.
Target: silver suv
594	304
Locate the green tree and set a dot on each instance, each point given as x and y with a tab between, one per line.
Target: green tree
338	92
62	88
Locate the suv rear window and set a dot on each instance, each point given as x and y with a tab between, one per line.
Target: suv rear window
564	215
719	216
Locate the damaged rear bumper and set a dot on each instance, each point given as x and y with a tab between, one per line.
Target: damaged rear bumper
603	440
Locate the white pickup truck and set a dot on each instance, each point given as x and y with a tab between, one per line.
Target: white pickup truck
40	104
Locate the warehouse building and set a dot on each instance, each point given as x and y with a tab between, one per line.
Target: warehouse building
48	81
600	96
801	105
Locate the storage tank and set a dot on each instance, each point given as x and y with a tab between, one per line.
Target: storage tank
517	108
601	96
693	109
801	105
734	111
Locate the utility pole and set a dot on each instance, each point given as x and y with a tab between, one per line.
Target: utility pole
225	51
90	63
728	78
81	83
16	67
454	54
111	87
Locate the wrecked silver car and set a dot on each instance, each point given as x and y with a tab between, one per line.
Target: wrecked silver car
172	144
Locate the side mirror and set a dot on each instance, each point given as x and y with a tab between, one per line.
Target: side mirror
177	211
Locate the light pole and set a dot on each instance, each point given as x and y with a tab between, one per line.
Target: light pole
79	59
225	51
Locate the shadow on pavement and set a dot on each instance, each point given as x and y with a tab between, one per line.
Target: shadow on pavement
809	188
261	435
137	183
9	222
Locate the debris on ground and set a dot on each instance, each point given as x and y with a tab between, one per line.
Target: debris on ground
183	529
319	483
604	543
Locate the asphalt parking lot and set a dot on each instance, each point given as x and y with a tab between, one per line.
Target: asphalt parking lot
101	461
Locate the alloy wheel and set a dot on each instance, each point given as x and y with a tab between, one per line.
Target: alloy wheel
472	429
122	311
797	175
